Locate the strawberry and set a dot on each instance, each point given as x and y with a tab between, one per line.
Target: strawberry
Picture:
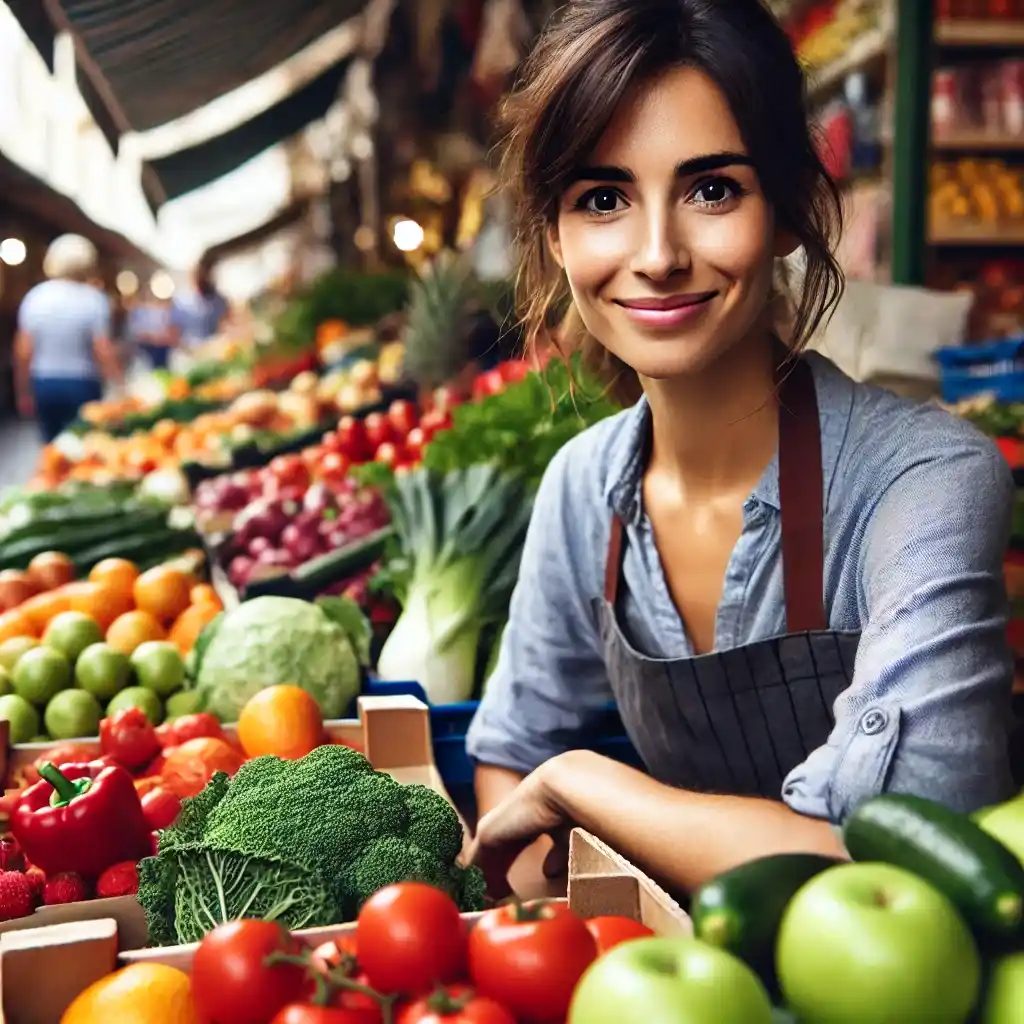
15	896
67	887
119	880
37	882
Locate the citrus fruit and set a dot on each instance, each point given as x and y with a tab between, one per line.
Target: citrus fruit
184	702
72	713
16	623
281	720
51	569
138	697
40	674
115	572
22	718
158	667
102	671
163	592
11	650
133	628
190	623
15	587
139	994
103	602
70	633
43	608
203	593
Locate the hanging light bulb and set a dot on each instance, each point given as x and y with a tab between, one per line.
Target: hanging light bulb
408	235
13	252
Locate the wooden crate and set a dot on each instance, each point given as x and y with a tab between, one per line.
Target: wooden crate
600	882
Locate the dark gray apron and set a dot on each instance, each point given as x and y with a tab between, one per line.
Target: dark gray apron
738	721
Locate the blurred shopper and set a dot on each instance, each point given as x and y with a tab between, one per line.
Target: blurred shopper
63	348
199	311
151	330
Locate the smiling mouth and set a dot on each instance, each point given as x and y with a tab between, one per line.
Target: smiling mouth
667	304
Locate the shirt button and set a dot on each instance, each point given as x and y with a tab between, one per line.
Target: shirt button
874	722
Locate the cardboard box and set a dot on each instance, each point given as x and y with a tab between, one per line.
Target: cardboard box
394	734
600	882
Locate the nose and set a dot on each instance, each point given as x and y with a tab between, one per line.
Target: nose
660	251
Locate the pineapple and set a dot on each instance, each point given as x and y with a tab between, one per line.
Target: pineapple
436	337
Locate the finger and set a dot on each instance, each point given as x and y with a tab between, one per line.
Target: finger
495	862
556	863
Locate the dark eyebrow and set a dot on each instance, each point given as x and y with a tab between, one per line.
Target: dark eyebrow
695	165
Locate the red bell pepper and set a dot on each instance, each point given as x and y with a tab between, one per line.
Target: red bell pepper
82	818
129	739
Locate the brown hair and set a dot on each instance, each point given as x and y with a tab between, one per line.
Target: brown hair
587	59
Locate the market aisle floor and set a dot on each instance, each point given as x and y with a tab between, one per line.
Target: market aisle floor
19	450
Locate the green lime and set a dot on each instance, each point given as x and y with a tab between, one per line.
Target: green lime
70	633
11	650
138	697
41	738
158	667
72	714
184	702
40	674
21	716
102	671
6	686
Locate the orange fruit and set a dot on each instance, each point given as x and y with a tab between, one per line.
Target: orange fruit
117	572
139	994
51	569
189	624
44	607
281	720
103	602
130	630
163	592
16	623
203	593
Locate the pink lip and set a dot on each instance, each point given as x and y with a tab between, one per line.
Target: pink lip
668	312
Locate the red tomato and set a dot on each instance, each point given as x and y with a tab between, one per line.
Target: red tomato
161	808
410	938
415	442
435	420
231	982
444	399
529	958
388	453
514	370
402	416
192	727
312	456
458	1004
305	1013
609	931
351	439
290	471
378	429
335	464
339	956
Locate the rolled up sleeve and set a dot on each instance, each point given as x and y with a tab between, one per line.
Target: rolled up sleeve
928	710
550	679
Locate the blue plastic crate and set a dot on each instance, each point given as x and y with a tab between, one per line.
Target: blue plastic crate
996	368
449	724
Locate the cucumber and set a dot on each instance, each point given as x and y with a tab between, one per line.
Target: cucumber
741	910
63	517
982	878
150	547
337	565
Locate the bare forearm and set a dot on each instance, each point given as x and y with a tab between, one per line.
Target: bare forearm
492	786
680	837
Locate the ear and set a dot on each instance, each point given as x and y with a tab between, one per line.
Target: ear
786	243
555	245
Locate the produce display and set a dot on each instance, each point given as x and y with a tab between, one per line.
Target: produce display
977	193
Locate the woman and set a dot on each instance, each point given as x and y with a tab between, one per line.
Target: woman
63	350
790	583
199	313
151	331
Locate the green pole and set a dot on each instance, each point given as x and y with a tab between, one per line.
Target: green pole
911	135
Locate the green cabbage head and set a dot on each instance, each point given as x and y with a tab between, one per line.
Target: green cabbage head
273	640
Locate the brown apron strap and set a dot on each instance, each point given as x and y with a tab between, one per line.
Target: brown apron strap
801	500
801	491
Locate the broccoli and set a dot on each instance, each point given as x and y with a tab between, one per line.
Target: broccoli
301	842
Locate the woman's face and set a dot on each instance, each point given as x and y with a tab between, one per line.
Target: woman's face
665	236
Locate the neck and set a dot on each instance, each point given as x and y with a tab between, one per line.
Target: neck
717	429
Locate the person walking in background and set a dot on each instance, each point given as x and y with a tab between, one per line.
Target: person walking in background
63	350
199	312
151	330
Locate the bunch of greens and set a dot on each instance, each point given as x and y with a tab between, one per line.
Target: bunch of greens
301	842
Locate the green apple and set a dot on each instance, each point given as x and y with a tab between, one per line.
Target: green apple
867	943
1004	995
669	981
1005	822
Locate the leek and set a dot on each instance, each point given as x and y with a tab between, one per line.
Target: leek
460	538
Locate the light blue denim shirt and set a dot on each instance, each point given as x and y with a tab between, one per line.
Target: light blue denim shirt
918	506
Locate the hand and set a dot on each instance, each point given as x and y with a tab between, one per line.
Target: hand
530	811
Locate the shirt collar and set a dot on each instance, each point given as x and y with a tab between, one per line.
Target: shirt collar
623	487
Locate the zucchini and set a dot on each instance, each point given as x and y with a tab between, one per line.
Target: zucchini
741	910
152	546
979	875
353	558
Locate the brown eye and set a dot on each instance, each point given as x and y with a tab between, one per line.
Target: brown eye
601	201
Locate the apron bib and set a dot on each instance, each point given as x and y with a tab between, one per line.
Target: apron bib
737	722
